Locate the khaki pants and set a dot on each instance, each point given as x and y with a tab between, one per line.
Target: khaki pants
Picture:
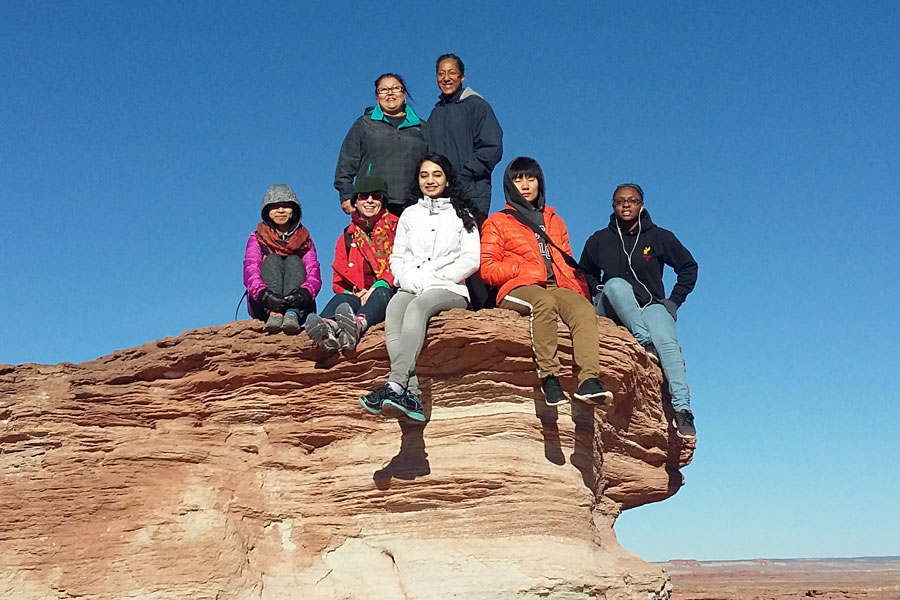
544	304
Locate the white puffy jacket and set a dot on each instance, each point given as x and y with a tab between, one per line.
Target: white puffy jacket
432	249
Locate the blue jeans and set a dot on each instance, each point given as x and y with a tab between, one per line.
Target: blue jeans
650	325
374	309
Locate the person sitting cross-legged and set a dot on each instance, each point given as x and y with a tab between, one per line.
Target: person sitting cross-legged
624	266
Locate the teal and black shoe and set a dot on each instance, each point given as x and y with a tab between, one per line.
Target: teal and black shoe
405	404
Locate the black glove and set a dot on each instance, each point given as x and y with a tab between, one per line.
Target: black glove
272	301
671	307
301	300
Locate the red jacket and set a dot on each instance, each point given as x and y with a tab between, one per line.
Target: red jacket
510	256
348	262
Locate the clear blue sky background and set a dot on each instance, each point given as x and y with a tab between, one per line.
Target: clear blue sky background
137	139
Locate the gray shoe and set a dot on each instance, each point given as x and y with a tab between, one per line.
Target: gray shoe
348	329
273	323
291	325
683	422
322	332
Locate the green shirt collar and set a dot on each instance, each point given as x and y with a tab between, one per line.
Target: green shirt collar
411	120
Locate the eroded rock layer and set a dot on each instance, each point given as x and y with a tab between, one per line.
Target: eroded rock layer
227	464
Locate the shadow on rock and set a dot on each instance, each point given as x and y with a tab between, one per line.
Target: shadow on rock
585	436
549	416
412	460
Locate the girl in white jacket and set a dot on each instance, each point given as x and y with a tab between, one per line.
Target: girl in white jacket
436	248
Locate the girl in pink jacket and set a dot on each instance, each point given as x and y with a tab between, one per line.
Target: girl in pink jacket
281	271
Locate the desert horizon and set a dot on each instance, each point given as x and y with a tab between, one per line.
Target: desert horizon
869	577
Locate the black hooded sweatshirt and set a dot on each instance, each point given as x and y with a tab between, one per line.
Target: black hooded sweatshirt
606	255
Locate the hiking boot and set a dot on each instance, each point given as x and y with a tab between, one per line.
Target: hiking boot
273	323
323	332
652	352
593	392
405	404
291	325
348	328
553	393
683	422
373	401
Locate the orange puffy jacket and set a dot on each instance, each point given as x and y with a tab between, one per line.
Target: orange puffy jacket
511	257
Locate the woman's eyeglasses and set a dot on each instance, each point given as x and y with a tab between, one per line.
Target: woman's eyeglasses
394	89
375	197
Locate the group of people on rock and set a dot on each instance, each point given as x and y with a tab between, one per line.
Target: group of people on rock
418	195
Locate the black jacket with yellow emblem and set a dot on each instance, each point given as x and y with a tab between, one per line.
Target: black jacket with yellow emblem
638	257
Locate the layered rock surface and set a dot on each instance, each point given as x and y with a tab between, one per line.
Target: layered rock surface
227	464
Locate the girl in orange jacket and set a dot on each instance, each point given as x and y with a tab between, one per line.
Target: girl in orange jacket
524	251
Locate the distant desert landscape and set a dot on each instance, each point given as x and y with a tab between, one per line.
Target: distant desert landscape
872	578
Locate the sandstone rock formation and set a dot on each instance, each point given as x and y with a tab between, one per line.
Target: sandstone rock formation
227	464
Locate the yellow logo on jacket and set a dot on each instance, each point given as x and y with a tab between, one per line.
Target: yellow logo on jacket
647	253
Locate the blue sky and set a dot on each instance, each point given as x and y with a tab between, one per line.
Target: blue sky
136	141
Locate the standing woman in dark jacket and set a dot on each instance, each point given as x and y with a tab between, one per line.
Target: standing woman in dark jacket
624	264
387	140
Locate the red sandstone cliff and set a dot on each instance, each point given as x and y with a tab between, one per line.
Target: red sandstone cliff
226	464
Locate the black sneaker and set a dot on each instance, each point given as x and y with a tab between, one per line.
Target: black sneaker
405	404
652	352
374	400
553	393
593	392
684	424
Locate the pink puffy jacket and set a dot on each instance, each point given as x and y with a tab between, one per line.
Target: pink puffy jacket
253	258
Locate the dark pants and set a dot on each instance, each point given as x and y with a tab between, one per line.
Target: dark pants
373	310
281	274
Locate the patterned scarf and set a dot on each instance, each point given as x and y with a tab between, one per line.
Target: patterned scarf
375	239
292	242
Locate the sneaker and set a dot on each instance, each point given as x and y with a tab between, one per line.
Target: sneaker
322	332
593	392
404	404
553	393
374	400
684	424
291	325
652	353
273	323
348	328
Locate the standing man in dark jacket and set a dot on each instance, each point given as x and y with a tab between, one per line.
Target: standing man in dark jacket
624	266
462	127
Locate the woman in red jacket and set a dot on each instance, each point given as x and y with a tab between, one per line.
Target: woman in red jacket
362	281
524	251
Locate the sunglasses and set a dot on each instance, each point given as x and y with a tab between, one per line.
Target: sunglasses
376	197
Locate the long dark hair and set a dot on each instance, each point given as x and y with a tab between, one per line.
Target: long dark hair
464	208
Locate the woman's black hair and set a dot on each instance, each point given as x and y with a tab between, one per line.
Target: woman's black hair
464	208
398	78
525	166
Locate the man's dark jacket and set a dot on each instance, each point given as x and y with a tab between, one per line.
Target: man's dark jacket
463	128
605	256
